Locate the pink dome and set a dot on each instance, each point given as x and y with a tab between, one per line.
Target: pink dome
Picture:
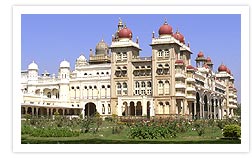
125	33
165	29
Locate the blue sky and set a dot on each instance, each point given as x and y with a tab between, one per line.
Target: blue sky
48	39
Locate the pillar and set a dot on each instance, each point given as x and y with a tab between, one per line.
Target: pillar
144	106
152	110
119	107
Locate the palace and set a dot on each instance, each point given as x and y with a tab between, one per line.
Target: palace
117	80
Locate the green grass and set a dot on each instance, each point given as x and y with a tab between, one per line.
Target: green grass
212	135
105	136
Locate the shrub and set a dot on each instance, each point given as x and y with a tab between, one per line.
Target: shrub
199	126
232	131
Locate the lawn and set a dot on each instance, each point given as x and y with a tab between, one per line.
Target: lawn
117	132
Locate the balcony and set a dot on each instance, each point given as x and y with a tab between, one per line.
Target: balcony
189	79
179	94
191	89
180	75
180	85
191	97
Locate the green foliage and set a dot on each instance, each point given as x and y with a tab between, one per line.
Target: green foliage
200	126
232	131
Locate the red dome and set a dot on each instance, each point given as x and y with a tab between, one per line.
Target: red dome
200	54
222	68
125	33
165	29
190	67
179	37
179	62
208	59
228	71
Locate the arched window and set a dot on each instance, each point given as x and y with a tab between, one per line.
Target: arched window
160	84
103	86
107	73
119	88
95	87
137	84
85	87
142	84
48	94
160	53
124	85
166	53
125	91
103	109
109	109
108	86
102	73
149	84
97	73
78	87
72	87
167	87
90	87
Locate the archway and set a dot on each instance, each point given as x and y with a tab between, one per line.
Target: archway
90	109
60	111
139	109
132	109
205	107
22	110
197	105
125	110
29	110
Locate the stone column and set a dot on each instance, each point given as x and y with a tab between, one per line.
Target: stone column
26	109
37	111
152	110
119	108
32	110
195	110
144	106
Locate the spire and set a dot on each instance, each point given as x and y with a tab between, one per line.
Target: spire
153	34
165	21
137	40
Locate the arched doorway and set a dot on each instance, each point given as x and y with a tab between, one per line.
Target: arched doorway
139	109
60	111
132	109
23	111
90	109
205	107
197	106
125	109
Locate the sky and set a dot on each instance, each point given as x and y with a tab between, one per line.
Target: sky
48	39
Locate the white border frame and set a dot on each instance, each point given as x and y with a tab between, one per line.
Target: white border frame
18	10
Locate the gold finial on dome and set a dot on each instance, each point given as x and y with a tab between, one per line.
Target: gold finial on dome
120	21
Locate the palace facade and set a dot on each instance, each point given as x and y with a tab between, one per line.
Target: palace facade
117	80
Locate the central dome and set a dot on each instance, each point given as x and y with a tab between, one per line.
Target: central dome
101	48
125	33
165	29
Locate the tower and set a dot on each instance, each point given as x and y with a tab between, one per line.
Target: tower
32	77
123	51
64	75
